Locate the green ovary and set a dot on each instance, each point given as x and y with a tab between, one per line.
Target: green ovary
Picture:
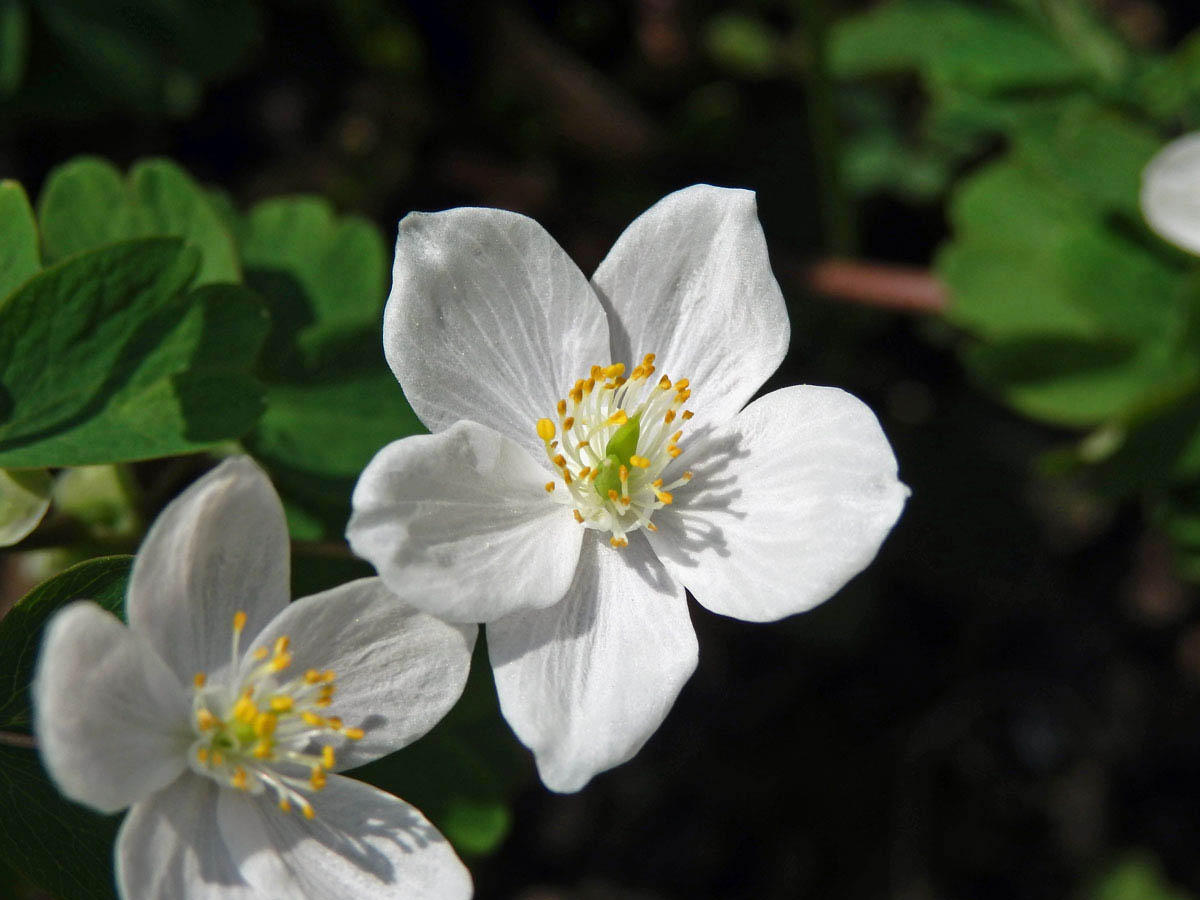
620	448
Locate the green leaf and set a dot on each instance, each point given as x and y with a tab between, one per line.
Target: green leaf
14	45
102	580
464	773
951	43
86	204
24	499
64	848
1136	877
743	45
104	358
323	277
18	238
149	55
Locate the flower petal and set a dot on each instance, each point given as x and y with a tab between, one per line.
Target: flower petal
1171	192
111	719
690	281
363	843
221	546
459	525
585	683
488	320
170	848
788	502
398	671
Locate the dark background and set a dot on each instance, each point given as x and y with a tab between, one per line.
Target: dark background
1005	704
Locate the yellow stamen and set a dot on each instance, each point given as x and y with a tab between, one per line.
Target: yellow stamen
205	720
199	679
281	645
239	620
615	370
239	778
669	417
265	724
202	755
687	414
578	516
282	703
327	758
568	423
306	808
316	778
618	418
618	542
285	805
549	487
261	653
640	461
664	497
355	734
545	429
262	750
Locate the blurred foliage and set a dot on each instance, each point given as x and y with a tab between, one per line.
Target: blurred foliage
1137	877
1077	315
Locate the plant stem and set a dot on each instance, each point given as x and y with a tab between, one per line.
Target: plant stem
837	213
13	739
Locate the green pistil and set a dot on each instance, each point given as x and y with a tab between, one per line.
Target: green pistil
620	448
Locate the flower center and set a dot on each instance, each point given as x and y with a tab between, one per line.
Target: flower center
614	437
265	730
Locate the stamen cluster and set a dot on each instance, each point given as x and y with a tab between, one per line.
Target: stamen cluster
614	437
264	730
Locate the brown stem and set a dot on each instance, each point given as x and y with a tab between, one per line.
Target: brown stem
898	288
13	739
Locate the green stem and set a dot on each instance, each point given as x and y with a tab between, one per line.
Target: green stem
837	213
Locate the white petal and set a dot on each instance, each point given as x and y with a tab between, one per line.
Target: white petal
788	503
1171	192
221	546
398	671
170	848
690	281
459	524
585	683
488	320
112	721
363	843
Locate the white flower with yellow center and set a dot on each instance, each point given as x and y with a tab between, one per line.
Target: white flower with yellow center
591	458
222	714
1170	195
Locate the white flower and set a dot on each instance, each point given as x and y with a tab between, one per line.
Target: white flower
222	713
1171	192
567	501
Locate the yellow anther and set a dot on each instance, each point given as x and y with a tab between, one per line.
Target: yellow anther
649	359
545	430
263	750
245	710
205	719
312	676
311	719
682	384
618	418
618	542
612	494
309	812
687	476
285	805
687	414
355	734
239	778
578	516
617	382
549	487
559	460
664	497
199	679
589	385
261	653
664	383
640	461
683	396
657	482
673	451
202	755
316	778
265	724
637	374
651	526
334	722
327	676
584	444
669	417
281	645
595	371
623	473
676	436
592	475
282	703
576	395
239	620
562	408
566	476
615	370
328	760
585	471
218	758
279	663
